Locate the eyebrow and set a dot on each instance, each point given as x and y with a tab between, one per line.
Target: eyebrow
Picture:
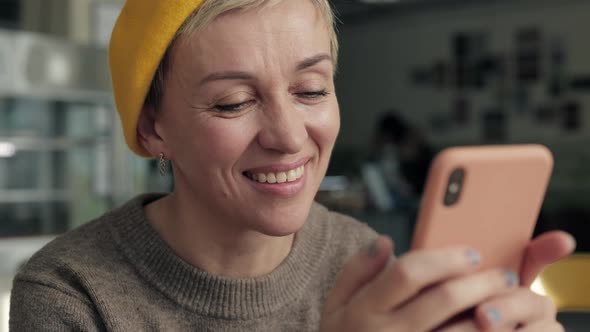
242	75
312	61
227	75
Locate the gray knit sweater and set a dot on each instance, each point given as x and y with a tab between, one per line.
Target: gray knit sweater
116	274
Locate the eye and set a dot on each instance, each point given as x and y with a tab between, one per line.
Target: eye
234	107
235	101
230	108
313	94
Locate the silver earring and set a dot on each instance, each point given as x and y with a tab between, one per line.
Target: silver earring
162	165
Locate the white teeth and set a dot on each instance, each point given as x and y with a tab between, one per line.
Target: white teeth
292	175
280	177
271	178
300	171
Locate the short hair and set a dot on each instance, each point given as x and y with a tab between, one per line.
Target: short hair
211	9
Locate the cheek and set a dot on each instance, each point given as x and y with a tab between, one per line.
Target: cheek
325	128
214	143
227	140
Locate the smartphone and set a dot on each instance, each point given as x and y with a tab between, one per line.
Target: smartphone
484	197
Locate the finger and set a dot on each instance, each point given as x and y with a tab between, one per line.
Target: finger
544	250
467	325
543	326
412	273
521	306
444	301
359	269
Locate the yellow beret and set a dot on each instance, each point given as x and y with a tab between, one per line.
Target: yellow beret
139	40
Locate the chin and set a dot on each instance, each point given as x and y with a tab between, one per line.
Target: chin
280	222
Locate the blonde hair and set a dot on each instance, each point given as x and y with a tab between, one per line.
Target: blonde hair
211	9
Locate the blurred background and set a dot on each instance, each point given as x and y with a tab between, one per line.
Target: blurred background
414	77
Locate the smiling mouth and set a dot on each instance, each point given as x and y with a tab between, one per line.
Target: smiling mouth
278	177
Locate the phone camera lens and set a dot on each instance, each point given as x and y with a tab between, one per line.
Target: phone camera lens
454	187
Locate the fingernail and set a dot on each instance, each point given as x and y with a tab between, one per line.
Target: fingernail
474	257
372	249
511	278
493	316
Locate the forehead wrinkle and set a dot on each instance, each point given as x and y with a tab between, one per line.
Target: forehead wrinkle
266	47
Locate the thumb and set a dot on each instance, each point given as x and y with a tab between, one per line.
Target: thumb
359	270
544	250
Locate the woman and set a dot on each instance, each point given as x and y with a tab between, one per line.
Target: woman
240	98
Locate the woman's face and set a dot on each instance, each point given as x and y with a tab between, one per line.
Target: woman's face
250	101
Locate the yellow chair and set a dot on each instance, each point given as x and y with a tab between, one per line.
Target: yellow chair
567	283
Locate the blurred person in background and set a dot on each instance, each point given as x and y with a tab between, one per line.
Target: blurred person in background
404	153
238	97
402	156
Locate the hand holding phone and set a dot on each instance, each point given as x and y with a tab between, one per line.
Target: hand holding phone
487	198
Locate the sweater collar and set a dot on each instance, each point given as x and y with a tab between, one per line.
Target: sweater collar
212	295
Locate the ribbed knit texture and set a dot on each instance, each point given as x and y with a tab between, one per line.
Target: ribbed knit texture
117	274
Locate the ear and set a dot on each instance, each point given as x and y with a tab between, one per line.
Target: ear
147	133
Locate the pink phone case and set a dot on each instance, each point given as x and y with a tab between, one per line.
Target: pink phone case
502	192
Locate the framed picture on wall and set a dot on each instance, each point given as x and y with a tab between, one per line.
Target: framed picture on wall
440	122
545	115
494	126
571	116
469	49
461	110
528	54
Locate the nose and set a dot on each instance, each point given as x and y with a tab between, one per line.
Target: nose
283	128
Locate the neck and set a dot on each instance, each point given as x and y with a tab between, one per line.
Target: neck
216	246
